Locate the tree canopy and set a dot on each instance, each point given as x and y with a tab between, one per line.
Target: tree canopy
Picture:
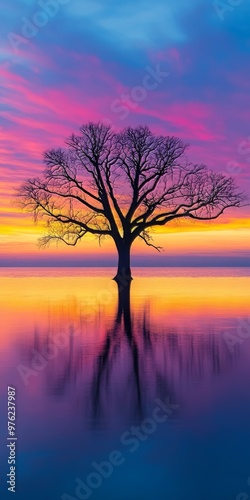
122	184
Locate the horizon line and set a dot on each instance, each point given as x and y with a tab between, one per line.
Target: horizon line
133	267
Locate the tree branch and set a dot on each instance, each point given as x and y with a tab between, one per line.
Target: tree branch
147	238
121	185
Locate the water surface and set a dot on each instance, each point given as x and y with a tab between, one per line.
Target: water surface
88	369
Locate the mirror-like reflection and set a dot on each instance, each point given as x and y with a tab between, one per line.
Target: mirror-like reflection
89	362
134	362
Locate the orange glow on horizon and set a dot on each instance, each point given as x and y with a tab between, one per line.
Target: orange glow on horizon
70	300
226	235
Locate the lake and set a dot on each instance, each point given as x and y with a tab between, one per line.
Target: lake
131	399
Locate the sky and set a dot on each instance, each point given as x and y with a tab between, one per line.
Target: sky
181	67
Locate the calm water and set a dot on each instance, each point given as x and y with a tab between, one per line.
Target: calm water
93	376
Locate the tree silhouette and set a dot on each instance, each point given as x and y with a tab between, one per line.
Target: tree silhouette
120	185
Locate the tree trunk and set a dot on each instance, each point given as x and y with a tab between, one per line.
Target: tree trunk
123	276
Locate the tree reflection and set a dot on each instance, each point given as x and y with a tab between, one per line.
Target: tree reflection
134	363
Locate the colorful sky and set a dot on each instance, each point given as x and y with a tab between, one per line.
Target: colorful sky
90	60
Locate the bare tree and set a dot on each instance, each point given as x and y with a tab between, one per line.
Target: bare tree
120	185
